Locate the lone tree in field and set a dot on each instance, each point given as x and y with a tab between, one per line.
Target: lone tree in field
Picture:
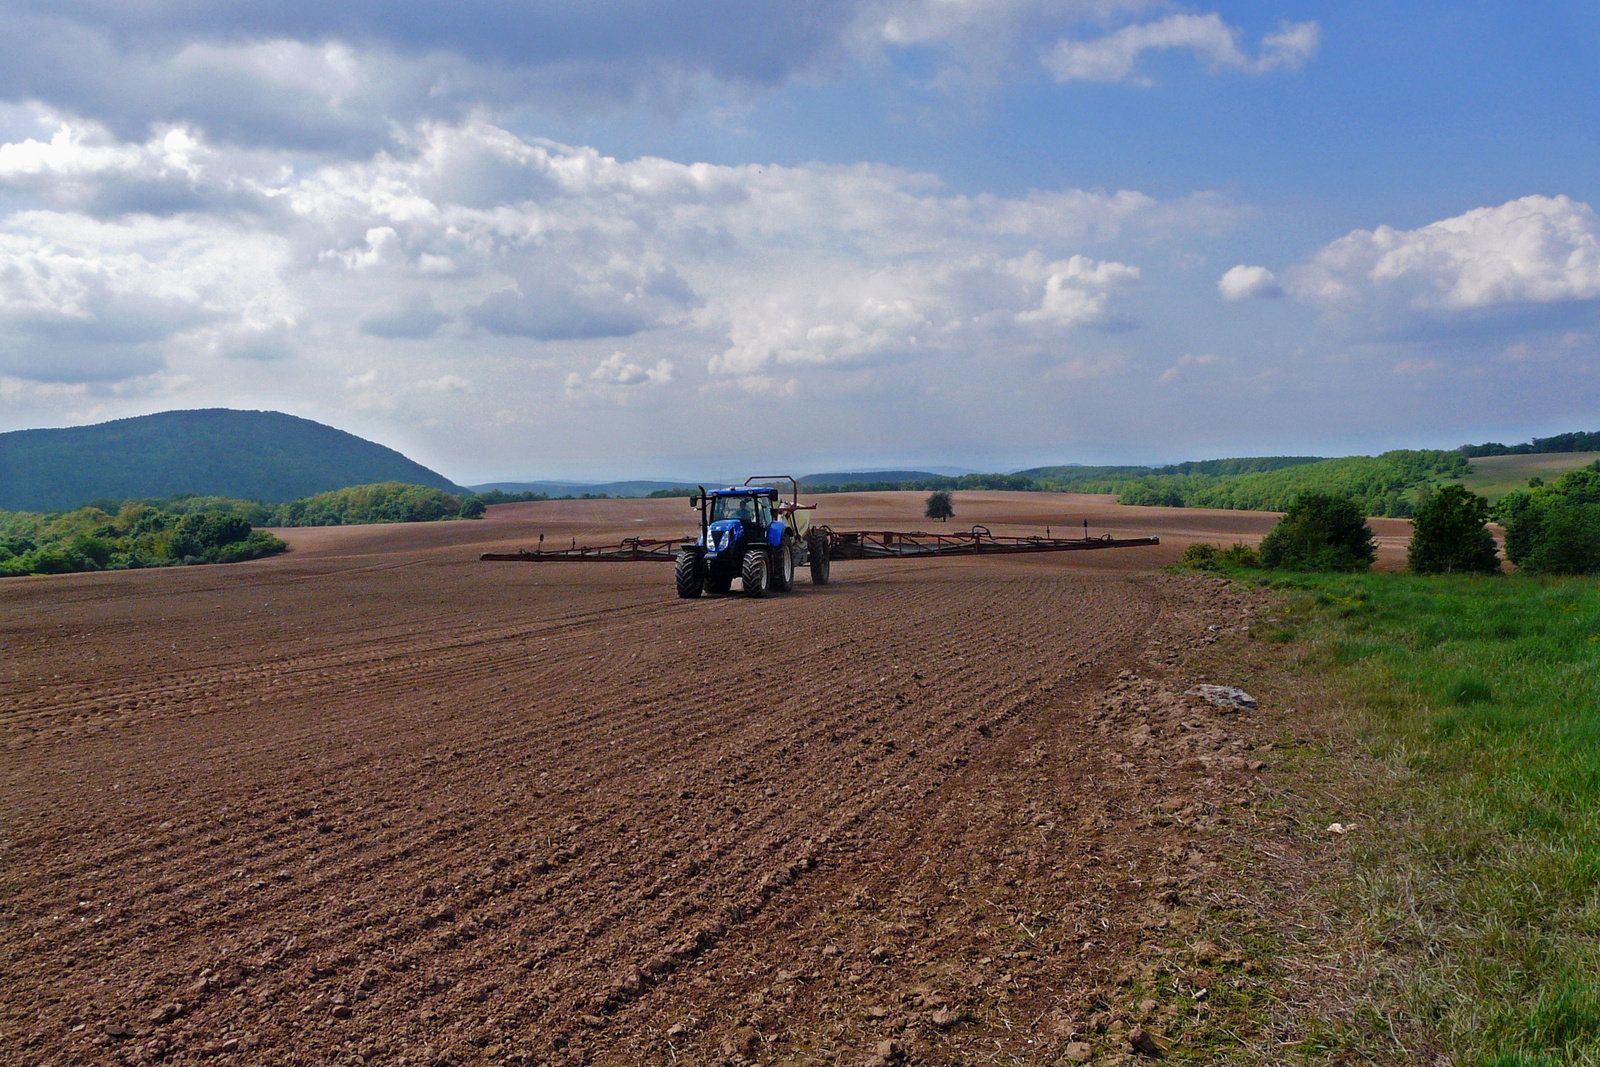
1320	532
940	507
1449	534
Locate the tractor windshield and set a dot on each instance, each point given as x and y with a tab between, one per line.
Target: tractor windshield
742	508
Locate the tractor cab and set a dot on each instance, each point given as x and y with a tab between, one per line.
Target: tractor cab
742	506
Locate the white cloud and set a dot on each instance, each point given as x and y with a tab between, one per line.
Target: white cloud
1186	361
445	383
82	299
1243	282
1077	292
617	373
1534	251
1114	57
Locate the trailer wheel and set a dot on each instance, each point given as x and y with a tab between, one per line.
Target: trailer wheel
686	575
820	563
783	572
754	573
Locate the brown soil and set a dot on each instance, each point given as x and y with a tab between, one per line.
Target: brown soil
377	802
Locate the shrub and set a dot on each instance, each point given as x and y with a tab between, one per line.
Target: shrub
1201	556
1240	555
1449	534
1320	532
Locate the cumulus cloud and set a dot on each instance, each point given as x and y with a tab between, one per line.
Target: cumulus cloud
1077	292
445	383
1188	360
413	320
1114	57
82	299
1242	282
559	303
617	373
1529	252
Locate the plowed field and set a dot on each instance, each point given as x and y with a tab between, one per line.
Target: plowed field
377	802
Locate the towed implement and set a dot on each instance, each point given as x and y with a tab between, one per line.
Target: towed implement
752	533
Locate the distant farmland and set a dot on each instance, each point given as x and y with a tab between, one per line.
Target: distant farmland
1495	476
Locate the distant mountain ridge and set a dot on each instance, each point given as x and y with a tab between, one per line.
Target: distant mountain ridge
559	489
851	477
264	456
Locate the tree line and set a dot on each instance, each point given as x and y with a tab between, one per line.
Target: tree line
1550	529
191	528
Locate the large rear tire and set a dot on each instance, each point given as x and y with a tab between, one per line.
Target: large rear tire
754	572
783	573
820	563
687	576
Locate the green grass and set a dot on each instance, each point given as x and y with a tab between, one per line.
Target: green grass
1483	694
1495	476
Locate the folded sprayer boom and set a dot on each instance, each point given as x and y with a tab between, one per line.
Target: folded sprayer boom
888	544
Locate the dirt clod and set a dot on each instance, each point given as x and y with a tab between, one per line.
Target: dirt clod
1144	1043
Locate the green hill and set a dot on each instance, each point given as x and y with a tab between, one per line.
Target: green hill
264	456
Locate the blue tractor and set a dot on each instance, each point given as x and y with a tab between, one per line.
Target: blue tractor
750	533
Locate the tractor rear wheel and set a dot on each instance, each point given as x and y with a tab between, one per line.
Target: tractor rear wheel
754	573
783	572
686	575
820	563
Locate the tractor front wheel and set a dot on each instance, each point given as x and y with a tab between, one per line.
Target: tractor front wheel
754	573
687	576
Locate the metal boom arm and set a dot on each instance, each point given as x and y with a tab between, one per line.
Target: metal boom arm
852	544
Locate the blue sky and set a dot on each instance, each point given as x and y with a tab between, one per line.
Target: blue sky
637	239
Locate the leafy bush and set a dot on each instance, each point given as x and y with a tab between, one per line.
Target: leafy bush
1240	555
1203	556
140	535
1320	532
1449	533
1555	529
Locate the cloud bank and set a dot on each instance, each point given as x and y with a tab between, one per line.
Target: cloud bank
1527	253
337	79
471	243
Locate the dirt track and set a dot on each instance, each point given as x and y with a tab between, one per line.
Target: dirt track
375	801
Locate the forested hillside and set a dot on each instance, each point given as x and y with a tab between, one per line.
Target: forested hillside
1561	442
1390	484
264	456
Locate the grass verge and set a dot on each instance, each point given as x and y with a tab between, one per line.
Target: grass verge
1482	694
